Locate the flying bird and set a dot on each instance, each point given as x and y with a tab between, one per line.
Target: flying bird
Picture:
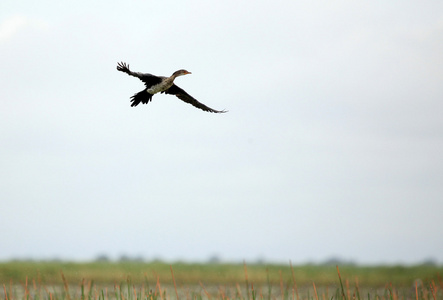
160	84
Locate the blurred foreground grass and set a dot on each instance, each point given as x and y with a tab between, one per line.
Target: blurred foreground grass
189	273
133	280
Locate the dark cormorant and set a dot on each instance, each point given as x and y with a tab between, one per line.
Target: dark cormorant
155	84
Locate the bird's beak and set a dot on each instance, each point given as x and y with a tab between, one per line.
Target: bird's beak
188	72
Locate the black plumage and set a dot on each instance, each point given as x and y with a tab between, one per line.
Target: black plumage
160	84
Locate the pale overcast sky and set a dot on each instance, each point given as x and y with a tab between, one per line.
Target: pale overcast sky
332	146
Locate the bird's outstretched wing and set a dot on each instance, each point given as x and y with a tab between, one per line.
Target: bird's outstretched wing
147	78
182	95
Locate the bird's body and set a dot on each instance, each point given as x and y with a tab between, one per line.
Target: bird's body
160	84
165	84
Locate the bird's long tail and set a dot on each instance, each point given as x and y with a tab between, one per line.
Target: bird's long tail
143	97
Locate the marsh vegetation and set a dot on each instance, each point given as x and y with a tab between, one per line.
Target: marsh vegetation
161	281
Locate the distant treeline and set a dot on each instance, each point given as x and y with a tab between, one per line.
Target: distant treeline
215	259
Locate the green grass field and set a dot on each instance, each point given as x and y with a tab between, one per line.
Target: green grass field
134	281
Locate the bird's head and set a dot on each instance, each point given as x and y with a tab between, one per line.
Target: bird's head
180	73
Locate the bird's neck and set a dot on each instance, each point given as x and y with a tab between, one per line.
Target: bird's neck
170	80
173	76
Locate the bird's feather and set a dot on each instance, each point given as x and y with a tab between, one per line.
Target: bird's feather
182	95
143	97
148	79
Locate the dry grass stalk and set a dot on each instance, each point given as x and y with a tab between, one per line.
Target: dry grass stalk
247	279
348	291
341	283
6	294
416	291
204	290
158	286
293	280
26	288
65	284
221	292
432	291
239	290
173	279
282	293
315	291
